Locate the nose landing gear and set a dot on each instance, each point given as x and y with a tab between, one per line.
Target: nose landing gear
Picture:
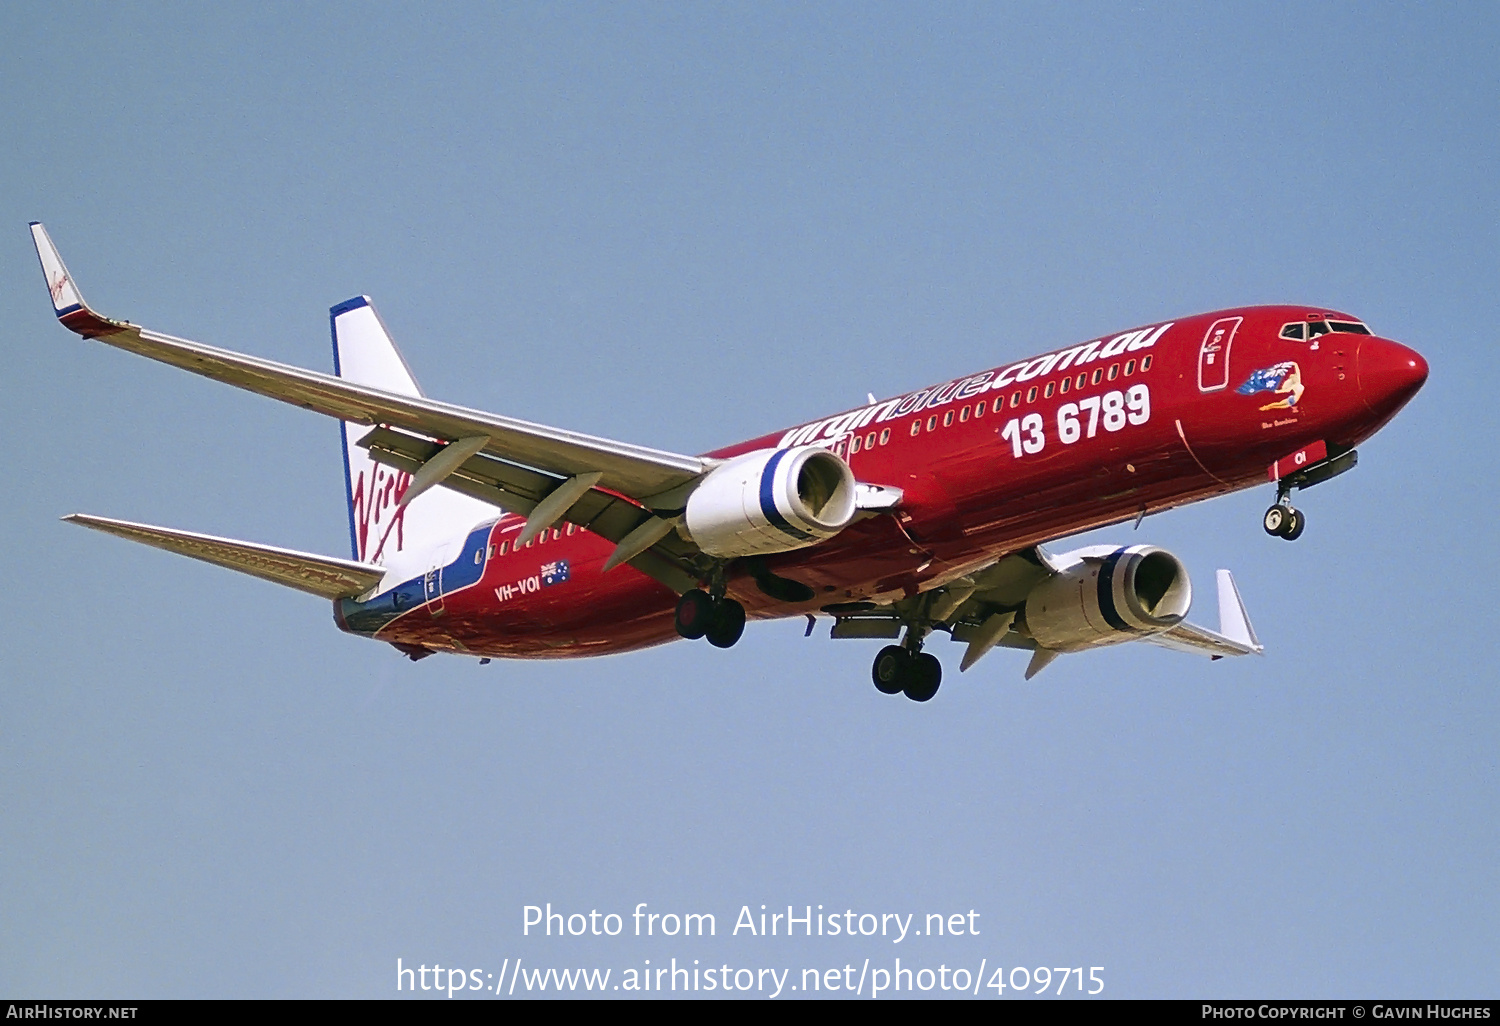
1310	465
1284	520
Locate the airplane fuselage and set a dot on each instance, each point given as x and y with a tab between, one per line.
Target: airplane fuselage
1099	433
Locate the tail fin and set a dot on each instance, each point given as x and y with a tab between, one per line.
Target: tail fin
381	530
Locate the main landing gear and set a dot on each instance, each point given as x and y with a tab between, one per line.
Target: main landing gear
1284	520
701	615
899	669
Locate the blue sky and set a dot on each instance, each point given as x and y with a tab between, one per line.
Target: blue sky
682	226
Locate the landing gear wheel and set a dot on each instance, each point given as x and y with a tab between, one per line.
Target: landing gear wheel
926	673
694	613
1283	521
891	670
726	623
1276	519
1293	529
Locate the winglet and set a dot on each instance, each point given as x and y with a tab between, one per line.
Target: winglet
67	301
1234	622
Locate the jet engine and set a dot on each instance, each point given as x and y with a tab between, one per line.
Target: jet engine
771	500
1103	596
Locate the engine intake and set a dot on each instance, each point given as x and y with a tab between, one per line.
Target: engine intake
771	500
1101	600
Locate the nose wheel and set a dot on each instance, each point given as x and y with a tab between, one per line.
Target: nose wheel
1284	521
917	674
700	615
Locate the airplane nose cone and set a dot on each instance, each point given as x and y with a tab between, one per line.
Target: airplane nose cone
1389	374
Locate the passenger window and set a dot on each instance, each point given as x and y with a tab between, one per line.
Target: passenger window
556	533
854	445
948	419
885	435
932	422
1015	400
570	528
1129	366
503	547
492	552
979	409
1082	379
1066	384
1047	394
963	415
1145	364
916	428
1114	371
870	440
1296	331
478	556
1031	394
1098	375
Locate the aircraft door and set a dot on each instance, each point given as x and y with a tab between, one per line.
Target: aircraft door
432	590
1213	356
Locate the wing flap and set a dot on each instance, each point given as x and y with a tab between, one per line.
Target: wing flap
520	489
324	576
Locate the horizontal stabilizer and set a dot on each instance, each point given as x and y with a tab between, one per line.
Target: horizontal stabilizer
323	576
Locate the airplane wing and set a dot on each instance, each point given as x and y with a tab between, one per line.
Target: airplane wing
984	609
635	471
323	576
1235	636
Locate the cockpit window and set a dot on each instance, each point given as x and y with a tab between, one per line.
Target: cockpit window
1305	331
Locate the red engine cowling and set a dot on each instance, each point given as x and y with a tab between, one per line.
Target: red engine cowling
771	500
1100	597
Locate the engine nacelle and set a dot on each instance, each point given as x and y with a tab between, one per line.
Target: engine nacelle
1103	596
771	500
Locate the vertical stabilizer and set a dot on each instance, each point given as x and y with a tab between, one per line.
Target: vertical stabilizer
410	537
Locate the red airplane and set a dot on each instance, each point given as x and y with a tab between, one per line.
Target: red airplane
485	535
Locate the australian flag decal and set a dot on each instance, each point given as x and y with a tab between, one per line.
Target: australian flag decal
555	573
1266	380
1283	379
